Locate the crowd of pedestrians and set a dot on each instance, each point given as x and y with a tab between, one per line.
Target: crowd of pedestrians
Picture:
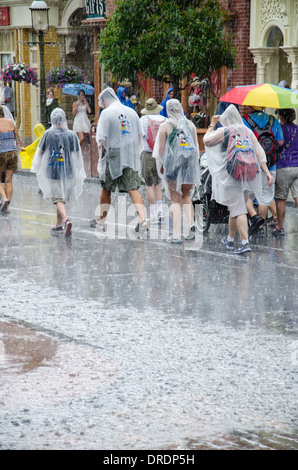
160	149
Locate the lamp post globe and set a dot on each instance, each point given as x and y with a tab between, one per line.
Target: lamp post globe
40	24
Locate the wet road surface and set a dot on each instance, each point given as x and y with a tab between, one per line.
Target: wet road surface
125	343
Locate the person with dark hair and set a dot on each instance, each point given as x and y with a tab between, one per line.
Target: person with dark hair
81	123
51	104
286	168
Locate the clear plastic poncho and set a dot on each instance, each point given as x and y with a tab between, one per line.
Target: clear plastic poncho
119	136
58	161
234	156
176	150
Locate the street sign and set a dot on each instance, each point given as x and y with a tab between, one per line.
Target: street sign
95	8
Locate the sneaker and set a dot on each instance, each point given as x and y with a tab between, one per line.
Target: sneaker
229	245
68	226
243	249
255	222
57	229
191	233
273	223
174	240
154	220
93	223
278	232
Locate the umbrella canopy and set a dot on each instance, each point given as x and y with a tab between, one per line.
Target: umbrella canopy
74	88
264	95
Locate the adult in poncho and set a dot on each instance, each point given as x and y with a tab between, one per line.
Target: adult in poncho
177	158
234	159
120	142
59	167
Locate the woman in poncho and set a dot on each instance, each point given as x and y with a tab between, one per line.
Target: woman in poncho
59	167
235	159
177	157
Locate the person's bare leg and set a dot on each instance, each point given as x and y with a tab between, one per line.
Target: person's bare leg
61	213
3	194
187	203
242	226
137	200
158	193
273	209
105	203
281	212
250	207
263	211
8	184
176	202
232	227
151	201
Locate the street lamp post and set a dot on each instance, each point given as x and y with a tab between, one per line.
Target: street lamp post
40	25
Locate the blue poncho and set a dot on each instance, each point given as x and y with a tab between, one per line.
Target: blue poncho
124	99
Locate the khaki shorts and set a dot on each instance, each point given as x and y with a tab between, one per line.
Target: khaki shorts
286	179
149	171
239	207
128	181
8	161
267	191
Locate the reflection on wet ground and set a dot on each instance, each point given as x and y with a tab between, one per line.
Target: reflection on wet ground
114	343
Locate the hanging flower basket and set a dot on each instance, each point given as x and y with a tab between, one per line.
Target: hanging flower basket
19	73
62	75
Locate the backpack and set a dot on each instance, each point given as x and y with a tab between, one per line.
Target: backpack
241	162
266	139
153	127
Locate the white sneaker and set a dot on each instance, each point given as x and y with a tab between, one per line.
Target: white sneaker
154	220
191	233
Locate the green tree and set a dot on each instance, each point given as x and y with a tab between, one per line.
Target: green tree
167	40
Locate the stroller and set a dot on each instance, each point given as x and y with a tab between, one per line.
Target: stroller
213	213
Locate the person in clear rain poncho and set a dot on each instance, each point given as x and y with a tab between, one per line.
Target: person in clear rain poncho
59	167
177	160
120	142
235	159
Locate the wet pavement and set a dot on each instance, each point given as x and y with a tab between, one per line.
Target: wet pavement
118	342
